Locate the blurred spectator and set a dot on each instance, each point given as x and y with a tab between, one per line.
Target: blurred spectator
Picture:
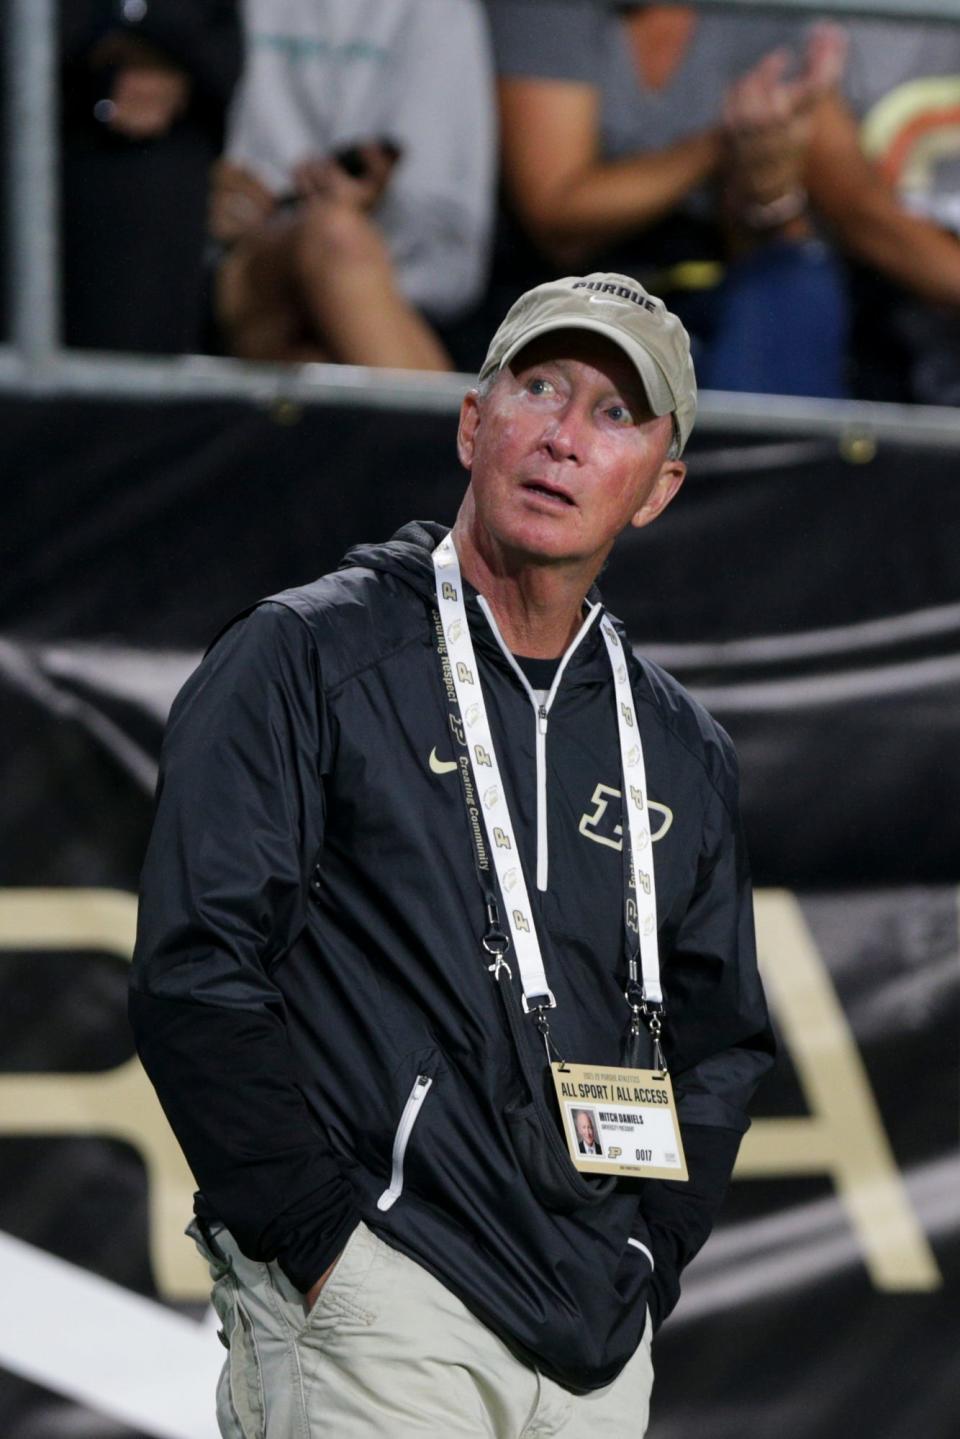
355	200
887	177
145	85
668	143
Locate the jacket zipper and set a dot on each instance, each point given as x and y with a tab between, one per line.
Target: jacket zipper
542	712
401	1139
542	842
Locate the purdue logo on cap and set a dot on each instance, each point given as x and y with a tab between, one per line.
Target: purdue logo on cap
618	292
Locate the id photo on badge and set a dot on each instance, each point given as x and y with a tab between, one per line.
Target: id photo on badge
587	1131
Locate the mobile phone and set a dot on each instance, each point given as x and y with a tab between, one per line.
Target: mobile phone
350	157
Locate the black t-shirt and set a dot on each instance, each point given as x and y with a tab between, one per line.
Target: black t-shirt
540	673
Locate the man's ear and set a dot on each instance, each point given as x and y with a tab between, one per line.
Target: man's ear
467	432
671	477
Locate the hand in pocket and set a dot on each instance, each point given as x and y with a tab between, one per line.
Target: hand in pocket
313	1293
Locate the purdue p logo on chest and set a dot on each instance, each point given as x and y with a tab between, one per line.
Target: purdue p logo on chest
602	825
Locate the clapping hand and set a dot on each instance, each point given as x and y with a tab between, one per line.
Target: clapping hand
767	121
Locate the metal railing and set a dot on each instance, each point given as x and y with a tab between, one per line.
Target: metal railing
35	362
33	284
849	9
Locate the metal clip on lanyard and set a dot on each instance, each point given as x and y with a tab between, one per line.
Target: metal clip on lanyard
494	941
485	796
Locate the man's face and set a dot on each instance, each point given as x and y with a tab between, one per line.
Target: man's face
585	1128
564	451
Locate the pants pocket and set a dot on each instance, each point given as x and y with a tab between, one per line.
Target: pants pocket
240	1406
240	1409
344	1301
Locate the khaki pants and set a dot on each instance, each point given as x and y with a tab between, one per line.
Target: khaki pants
388	1353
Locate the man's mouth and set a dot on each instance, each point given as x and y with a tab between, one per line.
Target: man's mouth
550	492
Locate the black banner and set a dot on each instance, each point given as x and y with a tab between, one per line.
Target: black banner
814	605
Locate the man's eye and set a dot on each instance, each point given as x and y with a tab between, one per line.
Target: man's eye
620	415
540	386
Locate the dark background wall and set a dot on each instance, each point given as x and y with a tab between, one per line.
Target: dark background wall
813	603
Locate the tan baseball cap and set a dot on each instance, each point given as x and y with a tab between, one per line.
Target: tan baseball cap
620	308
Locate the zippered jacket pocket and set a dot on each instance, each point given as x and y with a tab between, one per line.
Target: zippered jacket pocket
411	1112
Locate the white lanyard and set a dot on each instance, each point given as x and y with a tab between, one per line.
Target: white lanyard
634	806
501	836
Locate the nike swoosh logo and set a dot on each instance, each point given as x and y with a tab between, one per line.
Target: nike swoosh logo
441	766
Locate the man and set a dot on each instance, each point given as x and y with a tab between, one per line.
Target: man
587	1141
378	899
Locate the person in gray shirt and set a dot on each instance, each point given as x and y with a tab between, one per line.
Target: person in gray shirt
355	200
672	141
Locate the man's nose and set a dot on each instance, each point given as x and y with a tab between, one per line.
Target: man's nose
563	436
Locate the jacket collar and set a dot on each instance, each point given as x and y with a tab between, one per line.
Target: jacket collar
407	555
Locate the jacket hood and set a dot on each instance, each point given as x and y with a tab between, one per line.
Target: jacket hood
407	554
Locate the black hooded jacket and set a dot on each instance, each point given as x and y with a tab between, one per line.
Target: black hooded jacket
309	992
